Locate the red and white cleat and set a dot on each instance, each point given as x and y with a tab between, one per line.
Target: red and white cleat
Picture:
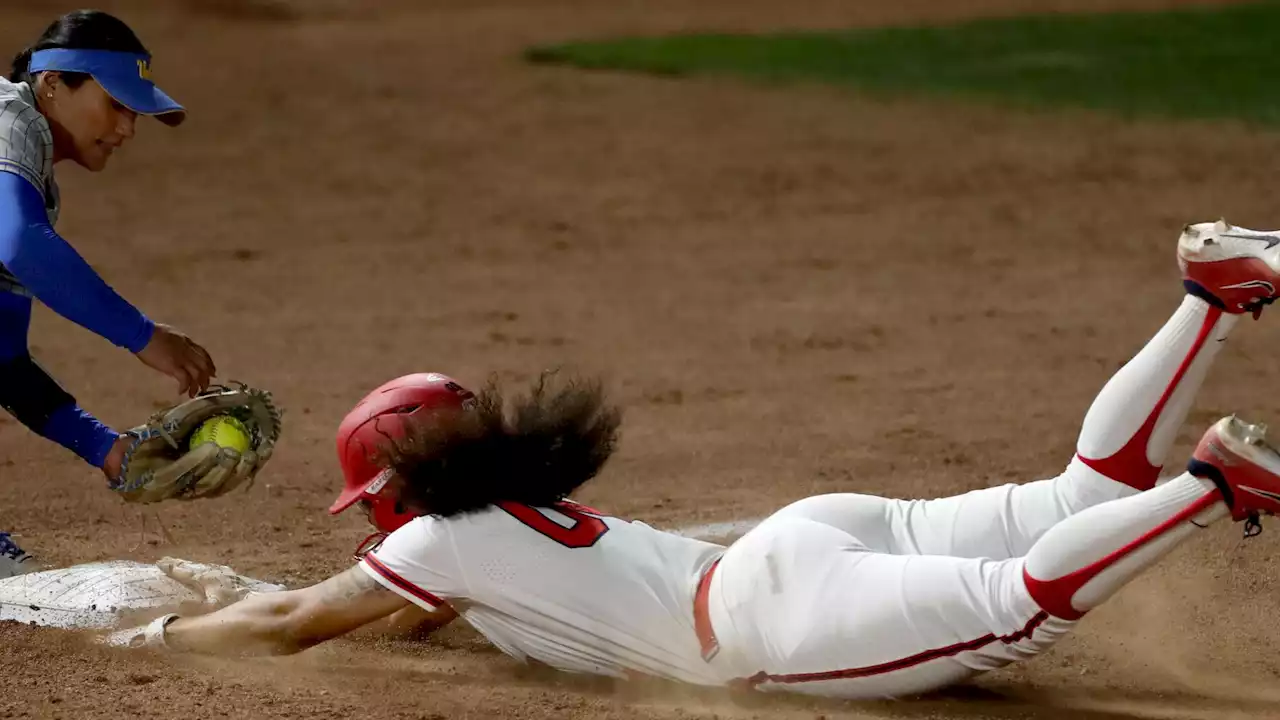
1233	268
1236	457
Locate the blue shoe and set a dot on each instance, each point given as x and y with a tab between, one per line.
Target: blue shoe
13	559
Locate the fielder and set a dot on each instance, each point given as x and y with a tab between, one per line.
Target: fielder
74	95
840	595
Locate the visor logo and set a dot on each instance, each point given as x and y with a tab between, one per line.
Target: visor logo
380	482
144	69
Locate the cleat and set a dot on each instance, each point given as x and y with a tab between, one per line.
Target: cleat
1254	434
13	559
1235	455
1232	268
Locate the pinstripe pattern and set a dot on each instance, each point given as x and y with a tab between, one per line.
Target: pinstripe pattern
26	149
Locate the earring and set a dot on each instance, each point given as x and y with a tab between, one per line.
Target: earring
50	96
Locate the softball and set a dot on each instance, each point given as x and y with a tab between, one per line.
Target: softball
223	431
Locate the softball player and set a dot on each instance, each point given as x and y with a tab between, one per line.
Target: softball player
74	95
839	595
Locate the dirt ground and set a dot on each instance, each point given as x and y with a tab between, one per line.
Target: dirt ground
791	291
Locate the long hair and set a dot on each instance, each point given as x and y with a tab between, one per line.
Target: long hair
550	442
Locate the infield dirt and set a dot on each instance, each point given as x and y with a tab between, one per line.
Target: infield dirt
791	291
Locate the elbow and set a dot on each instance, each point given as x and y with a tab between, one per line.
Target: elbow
11	243
279	629
288	638
291	637
21	243
284	640
295	629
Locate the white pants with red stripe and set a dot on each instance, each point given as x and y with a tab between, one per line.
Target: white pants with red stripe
858	596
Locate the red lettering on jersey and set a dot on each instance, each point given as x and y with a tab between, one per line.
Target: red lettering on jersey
585	531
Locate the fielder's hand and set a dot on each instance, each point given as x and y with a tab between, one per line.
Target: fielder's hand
179	357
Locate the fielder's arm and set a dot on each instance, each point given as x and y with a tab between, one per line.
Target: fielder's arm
283	623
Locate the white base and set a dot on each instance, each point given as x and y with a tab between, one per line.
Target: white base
90	596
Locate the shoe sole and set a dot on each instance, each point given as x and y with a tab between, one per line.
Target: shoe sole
1239	277
1192	247
1248	443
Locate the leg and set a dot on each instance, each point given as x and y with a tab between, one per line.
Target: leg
799	606
15	315
895	625
1085	559
1127	432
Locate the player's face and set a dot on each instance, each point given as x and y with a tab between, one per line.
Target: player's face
94	125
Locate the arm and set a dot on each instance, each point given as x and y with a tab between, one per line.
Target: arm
413	622
52	271
35	399
83	434
288	622
56	274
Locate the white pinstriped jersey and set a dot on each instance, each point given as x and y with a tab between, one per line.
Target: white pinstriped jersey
567	587
26	142
26	150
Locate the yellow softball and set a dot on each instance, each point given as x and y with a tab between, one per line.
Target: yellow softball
223	431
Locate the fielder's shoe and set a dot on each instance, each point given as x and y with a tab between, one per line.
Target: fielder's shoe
1236	457
1231	267
13	561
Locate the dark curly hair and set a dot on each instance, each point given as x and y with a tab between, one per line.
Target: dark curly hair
553	440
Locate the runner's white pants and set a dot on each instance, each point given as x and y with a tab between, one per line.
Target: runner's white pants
858	596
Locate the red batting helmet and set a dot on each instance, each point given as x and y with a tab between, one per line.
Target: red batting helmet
378	418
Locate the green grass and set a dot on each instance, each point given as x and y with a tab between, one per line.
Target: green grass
1198	63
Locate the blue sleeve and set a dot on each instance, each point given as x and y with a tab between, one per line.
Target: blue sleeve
81	433
35	401
56	274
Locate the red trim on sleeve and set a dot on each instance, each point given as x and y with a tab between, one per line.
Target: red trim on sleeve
401	583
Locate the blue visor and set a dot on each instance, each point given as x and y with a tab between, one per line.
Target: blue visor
125	76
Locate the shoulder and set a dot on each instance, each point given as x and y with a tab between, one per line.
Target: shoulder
417	538
18	92
416	562
26	142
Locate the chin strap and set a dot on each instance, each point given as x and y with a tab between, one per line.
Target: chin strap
369	544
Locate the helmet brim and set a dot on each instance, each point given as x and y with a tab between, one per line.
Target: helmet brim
350	496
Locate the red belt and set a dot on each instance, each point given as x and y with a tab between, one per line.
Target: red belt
701	619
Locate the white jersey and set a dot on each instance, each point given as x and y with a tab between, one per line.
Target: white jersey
567	586
26	150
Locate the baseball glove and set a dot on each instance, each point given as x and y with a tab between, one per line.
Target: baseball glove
159	465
